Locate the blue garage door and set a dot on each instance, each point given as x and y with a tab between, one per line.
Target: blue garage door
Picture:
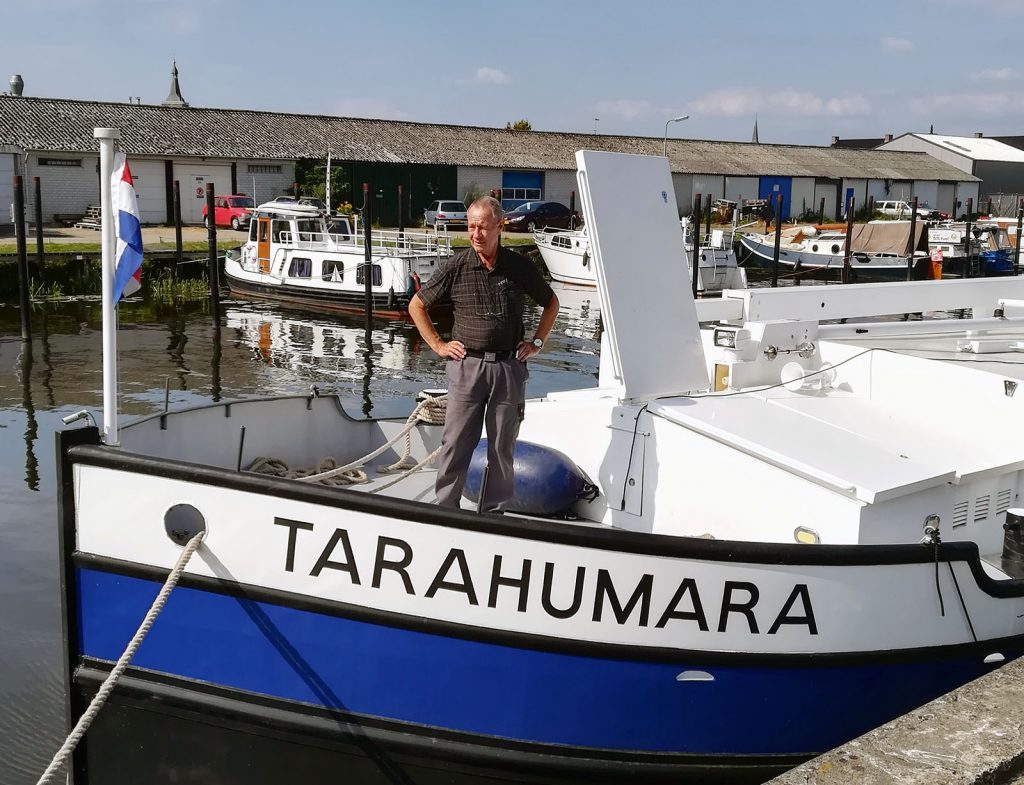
770	187
519	187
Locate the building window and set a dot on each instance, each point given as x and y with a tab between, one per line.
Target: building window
60	161
264	169
520	194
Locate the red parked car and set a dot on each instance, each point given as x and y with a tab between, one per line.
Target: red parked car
234	211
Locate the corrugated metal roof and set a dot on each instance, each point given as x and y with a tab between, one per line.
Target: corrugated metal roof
50	124
978	148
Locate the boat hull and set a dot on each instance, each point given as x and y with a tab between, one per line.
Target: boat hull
384	305
883	267
327	624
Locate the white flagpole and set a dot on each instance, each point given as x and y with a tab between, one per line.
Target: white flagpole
107	137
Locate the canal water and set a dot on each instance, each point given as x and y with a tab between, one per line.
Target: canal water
176	352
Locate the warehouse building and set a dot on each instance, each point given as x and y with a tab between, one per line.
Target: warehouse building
255	153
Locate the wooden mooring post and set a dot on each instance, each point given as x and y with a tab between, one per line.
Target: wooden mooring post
778	240
179	256
40	259
214	262
23	277
848	245
912	245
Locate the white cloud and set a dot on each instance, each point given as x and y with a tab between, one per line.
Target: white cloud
375	108
486	75
985	104
740	101
627	109
995	75
891	44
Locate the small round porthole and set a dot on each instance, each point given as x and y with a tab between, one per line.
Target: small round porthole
814	247
835	249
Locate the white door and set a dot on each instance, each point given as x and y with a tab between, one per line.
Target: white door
826	191
6	188
193	179
151	188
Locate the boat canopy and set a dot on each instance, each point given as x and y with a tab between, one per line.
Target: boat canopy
889	237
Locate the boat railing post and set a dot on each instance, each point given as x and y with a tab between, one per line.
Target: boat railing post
848	245
778	240
1020	219
911	244
211	246
968	245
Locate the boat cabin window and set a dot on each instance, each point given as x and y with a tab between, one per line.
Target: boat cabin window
378	278
333	270
257	226
309	228
300	268
279	228
341	230
561	242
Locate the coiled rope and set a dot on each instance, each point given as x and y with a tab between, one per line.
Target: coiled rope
430	410
111	681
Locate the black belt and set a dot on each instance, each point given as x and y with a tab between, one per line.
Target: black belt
491	357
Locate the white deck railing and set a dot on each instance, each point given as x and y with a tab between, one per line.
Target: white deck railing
389	242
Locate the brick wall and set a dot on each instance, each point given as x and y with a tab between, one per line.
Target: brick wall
475	178
268	184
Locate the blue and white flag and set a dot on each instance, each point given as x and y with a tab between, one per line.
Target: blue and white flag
128	253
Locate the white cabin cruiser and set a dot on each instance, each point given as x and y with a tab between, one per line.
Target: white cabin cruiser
301	255
731	582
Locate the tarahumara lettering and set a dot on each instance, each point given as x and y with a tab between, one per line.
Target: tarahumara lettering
565	591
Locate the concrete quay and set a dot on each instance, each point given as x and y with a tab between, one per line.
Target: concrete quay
971	736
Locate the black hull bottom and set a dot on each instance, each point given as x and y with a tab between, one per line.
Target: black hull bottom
384	306
160	731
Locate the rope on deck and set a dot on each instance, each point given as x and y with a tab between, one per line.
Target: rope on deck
430	410
111	681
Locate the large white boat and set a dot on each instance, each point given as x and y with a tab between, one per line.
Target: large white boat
744	547
301	255
566	255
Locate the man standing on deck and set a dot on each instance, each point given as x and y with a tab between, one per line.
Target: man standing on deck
487	286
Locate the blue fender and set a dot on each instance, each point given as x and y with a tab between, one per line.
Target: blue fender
547	482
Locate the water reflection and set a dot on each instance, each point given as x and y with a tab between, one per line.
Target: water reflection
31	426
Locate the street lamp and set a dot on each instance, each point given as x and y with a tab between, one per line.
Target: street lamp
664	147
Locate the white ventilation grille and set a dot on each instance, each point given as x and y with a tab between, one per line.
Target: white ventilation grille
960	514
1003	501
981	505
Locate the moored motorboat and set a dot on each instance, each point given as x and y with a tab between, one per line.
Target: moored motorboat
300	255
751	578
878	250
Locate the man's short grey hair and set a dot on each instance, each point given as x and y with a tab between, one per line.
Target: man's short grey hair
491	204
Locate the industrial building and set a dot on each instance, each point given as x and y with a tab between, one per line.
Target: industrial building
255	153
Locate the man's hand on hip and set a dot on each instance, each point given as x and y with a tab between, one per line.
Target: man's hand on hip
526	350
453	350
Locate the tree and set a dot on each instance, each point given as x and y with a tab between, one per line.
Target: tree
519	125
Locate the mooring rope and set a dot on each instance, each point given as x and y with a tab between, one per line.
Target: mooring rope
111	681
430	410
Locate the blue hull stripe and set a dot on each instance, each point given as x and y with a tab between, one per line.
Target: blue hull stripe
484	688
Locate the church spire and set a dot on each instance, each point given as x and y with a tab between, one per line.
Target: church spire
755	140
174	96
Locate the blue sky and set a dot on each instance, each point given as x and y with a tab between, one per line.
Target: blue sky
808	70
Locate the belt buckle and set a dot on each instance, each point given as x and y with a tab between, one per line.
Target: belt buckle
490	357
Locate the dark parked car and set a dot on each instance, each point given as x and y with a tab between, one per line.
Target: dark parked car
531	216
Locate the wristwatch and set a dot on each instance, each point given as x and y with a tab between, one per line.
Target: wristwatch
538	342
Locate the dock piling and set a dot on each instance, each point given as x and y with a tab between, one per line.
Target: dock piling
23	278
1020	219
40	259
211	244
778	240
847	245
911	244
178	247
968	245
